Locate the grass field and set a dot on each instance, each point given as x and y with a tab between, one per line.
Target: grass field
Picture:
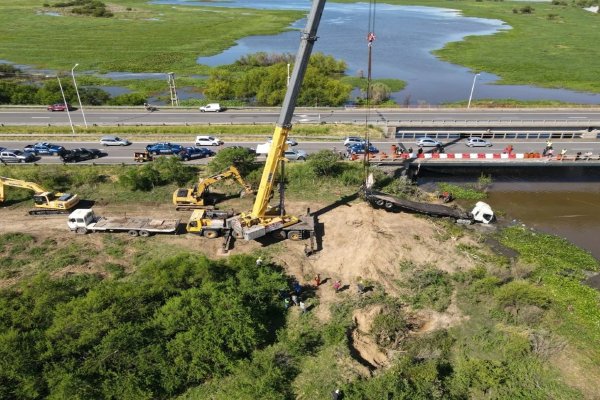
139	38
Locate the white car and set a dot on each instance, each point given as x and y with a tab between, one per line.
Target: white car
204	140
350	140
429	142
114	141
212	107
478	142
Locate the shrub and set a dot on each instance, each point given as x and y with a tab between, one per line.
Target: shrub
324	163
429	287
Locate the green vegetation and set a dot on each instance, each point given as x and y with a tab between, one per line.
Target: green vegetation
140	37
128	318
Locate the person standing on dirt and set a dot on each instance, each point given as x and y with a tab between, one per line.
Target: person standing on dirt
317	280
259	261
302	307
297	288
286	302
295	299
337	285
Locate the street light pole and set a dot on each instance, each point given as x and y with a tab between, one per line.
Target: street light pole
472	88
288	76
66	104
77	91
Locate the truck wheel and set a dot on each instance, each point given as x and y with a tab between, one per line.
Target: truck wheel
379	203
81	231
279	235
389	205
210	234
132	233
144	233
295	235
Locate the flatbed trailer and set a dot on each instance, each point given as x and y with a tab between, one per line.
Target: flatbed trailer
83	221
480	213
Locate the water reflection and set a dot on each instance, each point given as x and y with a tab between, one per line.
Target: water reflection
406	36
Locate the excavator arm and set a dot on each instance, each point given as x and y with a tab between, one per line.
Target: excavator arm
4	181
231	172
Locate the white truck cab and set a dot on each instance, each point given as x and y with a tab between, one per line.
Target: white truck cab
81	218
483	213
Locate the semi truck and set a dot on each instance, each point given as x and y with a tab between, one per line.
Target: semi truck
84	220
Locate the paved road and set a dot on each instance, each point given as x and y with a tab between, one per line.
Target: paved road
117	155
410	117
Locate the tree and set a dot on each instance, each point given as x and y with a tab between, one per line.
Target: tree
242	158
93	96
324	163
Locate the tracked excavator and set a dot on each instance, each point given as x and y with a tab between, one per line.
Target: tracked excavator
198	197
45	202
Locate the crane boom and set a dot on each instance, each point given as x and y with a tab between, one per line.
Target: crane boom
284	123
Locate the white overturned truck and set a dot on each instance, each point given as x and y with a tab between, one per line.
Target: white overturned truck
84	220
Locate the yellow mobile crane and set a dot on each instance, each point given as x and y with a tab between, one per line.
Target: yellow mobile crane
45	202
198	196
264	219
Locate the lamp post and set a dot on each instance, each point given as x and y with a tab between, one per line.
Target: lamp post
77	91
66	104
288	76
472	88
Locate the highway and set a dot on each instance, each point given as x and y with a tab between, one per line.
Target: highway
411	117
118	155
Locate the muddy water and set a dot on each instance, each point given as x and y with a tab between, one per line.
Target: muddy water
573	212
565	204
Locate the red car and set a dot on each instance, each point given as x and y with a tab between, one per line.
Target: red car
59	107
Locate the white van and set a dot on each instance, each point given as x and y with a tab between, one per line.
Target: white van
208	141
212	107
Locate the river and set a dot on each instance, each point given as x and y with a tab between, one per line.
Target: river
406	37
565	203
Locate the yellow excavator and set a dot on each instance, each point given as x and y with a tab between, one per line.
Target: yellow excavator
45	202
198	197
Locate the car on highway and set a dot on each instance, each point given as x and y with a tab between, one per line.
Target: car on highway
350	140
360	148
114	141
80	154
478	142
298	155
288	141
44	148
429	142
60	107
19	156
212	107
164	148
205	140
192	153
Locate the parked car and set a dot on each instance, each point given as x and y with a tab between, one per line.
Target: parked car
299	155
429	142
478	142
44	148
191	153
212	107
19	156
60	107
204	140
350	140
360	148
80	154
114	141
289	141
164	148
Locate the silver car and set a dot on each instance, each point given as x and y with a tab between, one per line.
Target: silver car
16	156
299	155
114	141
429	142
478	142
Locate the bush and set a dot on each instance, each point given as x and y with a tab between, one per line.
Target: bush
324	163
428	287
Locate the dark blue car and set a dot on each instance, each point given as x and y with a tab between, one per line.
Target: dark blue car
164	148
360	148
190	153
44	148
